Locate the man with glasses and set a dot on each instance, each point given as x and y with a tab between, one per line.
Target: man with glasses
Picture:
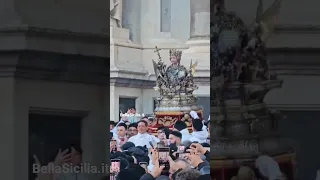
132	130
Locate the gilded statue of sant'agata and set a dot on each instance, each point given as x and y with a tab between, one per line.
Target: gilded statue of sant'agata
175	78
175	83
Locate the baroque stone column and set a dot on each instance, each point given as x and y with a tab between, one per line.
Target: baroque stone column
199	41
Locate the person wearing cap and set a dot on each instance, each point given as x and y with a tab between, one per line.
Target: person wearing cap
183	129
194	115
199	135
175	142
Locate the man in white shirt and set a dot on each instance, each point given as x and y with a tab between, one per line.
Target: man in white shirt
123	119
121	137
143	138
183	129
199	134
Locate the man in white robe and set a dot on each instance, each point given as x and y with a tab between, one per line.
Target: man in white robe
143	138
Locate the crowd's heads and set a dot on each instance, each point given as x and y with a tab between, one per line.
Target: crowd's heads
180	164
197	125
162	130
145	118
175	137
131	110
132	129
180	125
133	173
124	163
188	174
186	143
150	120
142	126
127	145
122	129
112	125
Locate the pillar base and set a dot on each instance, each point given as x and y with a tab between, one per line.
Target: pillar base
119	35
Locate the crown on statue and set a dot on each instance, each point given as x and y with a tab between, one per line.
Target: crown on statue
176	53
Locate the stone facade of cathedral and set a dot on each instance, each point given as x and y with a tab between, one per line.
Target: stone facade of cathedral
179	24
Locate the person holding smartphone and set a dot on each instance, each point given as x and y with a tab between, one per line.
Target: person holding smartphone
175	143
195	159
183	129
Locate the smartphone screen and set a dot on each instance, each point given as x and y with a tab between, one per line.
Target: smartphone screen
163	154
115	166
161	145
181	149
113	145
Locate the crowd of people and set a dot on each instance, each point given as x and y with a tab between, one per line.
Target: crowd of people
176	154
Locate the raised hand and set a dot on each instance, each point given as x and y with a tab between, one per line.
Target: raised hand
173	165
194	157
157	169
62	157
154	157
198	148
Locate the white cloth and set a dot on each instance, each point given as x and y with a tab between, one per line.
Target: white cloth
209	118
143	140
186	136
204	128
133	119
199	136
268	167
194	115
